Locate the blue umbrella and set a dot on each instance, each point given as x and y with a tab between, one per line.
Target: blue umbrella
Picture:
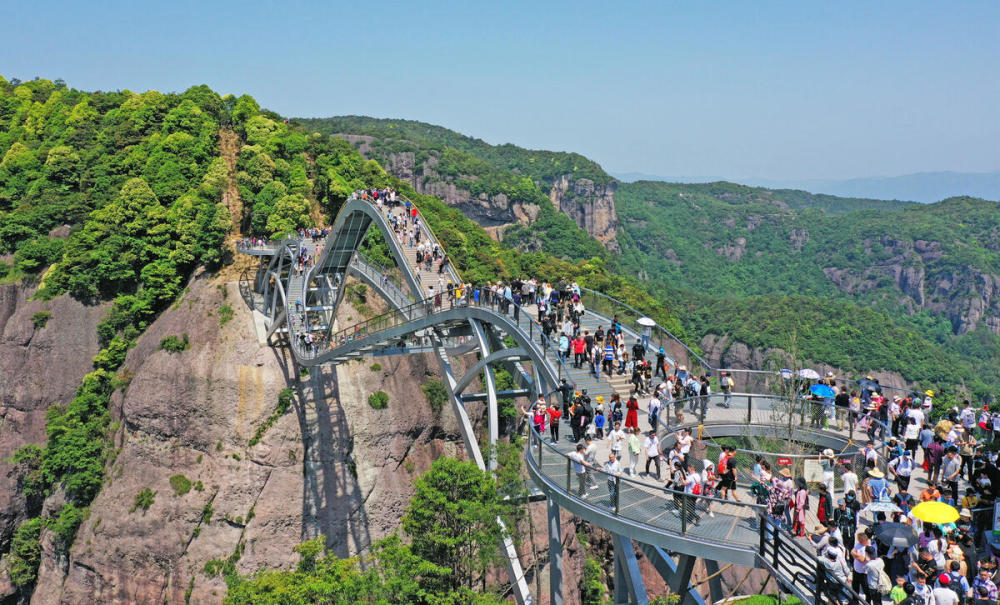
822	390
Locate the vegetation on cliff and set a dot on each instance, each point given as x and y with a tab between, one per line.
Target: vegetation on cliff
452	550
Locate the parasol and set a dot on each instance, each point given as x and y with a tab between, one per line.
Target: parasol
899	535
822	390
809	374
870	385
935	512
645	321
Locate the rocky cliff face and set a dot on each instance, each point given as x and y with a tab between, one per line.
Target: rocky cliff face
39	366
591	206
331	465
967	297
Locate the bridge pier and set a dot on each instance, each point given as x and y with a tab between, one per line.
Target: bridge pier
629	586
714	582
555	553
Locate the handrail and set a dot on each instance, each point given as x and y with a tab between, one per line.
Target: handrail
635	325
637	501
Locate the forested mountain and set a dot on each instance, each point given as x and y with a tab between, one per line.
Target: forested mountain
123	378
534	200
736	253
726	253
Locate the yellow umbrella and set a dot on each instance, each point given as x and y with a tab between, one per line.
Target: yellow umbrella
935	512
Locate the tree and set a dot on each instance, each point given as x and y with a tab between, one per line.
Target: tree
452	520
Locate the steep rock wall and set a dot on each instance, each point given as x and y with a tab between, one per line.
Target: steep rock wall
38	367
331	465
591	206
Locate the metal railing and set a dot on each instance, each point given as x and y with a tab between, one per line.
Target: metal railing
791	419
801	572
629	317
664	510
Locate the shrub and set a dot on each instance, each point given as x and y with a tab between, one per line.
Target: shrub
285	398
65	525
25	553
40	319
379	400
375	367
144	499
172	344
206	513
436	394
304	372
181	484
199	486
225	314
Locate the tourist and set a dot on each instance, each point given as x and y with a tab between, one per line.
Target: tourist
901	469
590	455
728	474
580	469
632	413
800	502
875	576
633	450
943	593
828	462
652	447
692	489
614	470
616	440
554	416
859	559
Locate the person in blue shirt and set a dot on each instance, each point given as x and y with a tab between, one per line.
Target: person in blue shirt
609	357
599	421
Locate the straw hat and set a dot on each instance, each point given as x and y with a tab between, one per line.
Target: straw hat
819	530
785	473
965	513
828	453
876	473
929	393
600	399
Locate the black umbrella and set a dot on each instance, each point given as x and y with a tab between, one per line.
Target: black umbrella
899	535
871	385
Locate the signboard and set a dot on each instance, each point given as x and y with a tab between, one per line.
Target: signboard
812	471
784	461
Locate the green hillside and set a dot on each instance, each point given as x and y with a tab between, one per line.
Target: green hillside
867	288
472	165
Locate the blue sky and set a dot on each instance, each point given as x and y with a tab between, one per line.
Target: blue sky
738	89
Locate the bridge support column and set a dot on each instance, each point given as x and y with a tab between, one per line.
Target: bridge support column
491	394
676	575
555	554
715	583
629	587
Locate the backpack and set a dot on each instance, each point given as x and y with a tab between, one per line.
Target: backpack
724	465
729	382
884	583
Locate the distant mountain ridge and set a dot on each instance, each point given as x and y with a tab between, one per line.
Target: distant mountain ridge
923	187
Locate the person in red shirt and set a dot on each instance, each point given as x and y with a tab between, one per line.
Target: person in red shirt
554	416
632	415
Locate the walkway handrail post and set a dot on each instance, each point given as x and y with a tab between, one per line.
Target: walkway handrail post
749	409
684	525
569	478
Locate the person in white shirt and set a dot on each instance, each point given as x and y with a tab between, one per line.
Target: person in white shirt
617	438
613	469
692	484
580	470
652	447
685	440
943	594
849	480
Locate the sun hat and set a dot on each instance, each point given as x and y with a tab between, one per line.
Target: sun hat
876	473
965	513
819	529
785	473
944	579
828	453
929	393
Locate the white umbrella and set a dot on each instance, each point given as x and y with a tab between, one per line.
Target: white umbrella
645	321
809	374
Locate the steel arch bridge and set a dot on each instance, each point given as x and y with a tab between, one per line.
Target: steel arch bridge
300	302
